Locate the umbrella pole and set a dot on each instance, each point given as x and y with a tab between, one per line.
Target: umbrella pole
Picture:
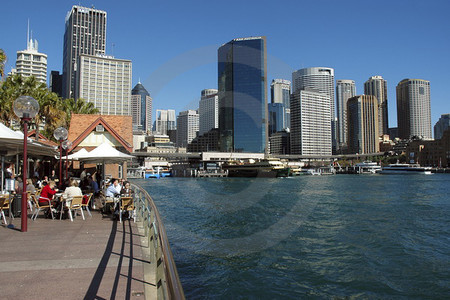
3	173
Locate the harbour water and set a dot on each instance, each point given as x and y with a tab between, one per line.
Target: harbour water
356	236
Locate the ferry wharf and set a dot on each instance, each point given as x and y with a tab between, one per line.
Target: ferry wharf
95	258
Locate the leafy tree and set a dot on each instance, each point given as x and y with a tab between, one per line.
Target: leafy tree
2	63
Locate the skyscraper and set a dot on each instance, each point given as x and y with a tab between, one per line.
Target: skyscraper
165	121
442	125
413	108
322	80
85	33
277	114
345	89
106	82
208	111
187	127
280	90
141	108
377	87
242	81
310	123
362	118
32	63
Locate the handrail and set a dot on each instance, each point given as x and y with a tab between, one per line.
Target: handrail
169	281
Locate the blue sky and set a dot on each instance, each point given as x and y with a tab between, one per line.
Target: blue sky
173	44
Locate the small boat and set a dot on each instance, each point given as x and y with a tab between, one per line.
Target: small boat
367	167
405	169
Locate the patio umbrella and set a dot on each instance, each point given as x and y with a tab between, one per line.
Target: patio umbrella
105	154
11	143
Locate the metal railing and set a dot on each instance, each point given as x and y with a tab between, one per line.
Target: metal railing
167	280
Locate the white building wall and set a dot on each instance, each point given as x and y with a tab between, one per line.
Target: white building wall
106	82
208	112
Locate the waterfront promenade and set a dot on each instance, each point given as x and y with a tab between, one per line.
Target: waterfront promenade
93	259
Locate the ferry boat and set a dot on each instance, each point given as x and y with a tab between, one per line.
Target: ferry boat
368	167
405	169
264	168
158	173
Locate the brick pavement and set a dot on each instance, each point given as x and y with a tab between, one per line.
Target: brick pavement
58	259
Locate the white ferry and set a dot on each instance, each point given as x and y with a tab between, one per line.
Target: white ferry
368	167
405	169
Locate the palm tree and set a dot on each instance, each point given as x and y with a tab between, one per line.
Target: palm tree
50	106
2	63
80	106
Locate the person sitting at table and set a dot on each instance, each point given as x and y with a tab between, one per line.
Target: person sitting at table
47	194
72	190
113	189
126	190
30	186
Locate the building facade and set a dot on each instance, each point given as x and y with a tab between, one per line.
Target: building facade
242	81
280	90
441	126
277	115
165	121
310	123
377	86
141	108
30	62
322	80
106	82
208	111
55	82
362	118
85	33
187	127
280	143
414	109
345	89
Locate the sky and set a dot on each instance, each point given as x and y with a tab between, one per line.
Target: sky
173	44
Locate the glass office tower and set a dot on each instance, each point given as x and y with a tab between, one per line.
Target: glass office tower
242	81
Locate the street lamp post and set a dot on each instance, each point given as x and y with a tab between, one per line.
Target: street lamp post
26	108
60	135
67	145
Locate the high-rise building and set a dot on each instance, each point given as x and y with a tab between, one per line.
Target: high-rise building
310	122
345	89
106	82
141	108
32	63
277	114
165	121
85	33
208	111
362	118
55	82
413	109
242	81
442	125
280	90
322	80
376	86
187	127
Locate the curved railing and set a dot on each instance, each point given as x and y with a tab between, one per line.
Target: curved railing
167	280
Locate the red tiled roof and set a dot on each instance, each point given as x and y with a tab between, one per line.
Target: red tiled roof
120	128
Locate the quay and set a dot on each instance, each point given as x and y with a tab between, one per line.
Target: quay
95	258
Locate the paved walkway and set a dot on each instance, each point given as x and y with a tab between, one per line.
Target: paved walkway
93	259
